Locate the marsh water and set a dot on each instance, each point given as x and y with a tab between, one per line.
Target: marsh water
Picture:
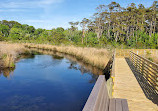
45	83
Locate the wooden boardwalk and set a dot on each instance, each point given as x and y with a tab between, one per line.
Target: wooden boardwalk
126	86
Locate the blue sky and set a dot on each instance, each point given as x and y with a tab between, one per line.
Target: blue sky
50	14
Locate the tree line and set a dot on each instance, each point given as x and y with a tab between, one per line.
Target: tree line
111	25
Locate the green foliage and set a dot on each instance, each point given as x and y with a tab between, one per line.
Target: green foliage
57	36
92	39
4	29
1	36
31	29
38	31
16	34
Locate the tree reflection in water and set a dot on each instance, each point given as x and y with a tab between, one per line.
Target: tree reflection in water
83	70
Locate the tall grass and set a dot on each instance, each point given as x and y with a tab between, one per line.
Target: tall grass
9	53
96	57
152	57
93	56
155	59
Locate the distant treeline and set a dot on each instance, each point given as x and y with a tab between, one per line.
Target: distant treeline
112	25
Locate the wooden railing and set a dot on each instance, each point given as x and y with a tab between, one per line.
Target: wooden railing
147	68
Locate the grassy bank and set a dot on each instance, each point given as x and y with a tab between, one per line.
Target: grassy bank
9	53
153	58
96	57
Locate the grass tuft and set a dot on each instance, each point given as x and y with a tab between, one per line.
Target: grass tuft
8	54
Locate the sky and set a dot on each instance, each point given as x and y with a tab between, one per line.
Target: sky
50	14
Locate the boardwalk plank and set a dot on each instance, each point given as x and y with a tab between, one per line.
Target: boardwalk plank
118	105
124	105
112	105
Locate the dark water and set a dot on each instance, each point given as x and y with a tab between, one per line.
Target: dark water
45	83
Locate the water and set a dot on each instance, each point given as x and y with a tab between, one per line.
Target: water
45	83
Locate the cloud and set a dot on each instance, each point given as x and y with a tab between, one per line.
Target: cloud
35	21
48	2
37	13
12	10
27	4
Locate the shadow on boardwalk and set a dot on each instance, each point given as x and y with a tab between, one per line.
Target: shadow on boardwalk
148	90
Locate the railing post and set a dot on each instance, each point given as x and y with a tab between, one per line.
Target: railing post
142	67
157	84
134	60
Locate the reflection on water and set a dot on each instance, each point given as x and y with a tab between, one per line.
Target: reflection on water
46	83
84	66
8	72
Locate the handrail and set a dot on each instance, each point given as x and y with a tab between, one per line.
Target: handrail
147	68
145	59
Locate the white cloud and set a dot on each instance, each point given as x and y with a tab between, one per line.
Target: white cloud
35	21
28	4
48	2
12	10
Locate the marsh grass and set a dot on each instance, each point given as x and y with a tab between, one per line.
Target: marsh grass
8	54
8	61
155	59
96	57
151	57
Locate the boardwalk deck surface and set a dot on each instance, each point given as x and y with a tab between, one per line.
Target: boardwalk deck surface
126	86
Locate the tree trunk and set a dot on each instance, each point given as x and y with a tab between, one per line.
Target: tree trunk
133	32
142	27
127	34
82	39
151	26
109	30
154	26
116	38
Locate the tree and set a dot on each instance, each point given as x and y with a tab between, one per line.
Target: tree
38	31
4	29
16	34
73	25
31	29
57	36
1	36
83	24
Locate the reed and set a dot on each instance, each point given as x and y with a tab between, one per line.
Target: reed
155	59
8	61
8	54
96	57
152	57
